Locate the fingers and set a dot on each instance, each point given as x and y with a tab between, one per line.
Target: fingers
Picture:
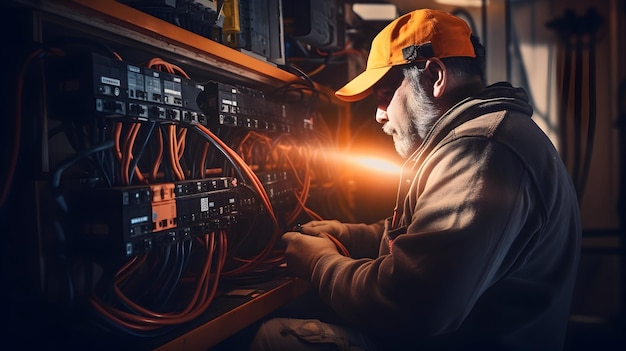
298	239
310	231
313	223
315	227
328	222
305	230
288	236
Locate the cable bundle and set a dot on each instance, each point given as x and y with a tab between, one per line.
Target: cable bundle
130	315
170	284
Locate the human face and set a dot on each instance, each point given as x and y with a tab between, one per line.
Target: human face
405	111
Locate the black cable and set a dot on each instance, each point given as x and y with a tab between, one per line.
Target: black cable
60	200
223	151
92	135
254	218
62	256
137	155
184	261
166	157
164	265
102	159
56	175
197	166
169	285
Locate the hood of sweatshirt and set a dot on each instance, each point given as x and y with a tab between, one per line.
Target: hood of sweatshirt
497	97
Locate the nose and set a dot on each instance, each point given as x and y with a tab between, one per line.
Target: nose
381	115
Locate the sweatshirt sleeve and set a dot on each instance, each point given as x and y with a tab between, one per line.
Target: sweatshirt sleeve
469	204
364	239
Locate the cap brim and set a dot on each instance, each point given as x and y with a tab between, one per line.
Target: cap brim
361	86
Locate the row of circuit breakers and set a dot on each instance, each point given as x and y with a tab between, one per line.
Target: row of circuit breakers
126	221
91	83
134	219
129	220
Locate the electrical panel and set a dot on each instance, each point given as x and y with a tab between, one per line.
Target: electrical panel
89	84
125	221
320	23
239	106
202	17
252	26
255	27
160	181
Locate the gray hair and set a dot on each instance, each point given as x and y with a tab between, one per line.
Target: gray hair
424	110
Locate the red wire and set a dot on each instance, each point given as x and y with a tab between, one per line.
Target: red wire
145	319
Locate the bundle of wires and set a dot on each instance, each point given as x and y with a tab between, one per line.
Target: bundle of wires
146	278
150	293
162	65
247	174
283	153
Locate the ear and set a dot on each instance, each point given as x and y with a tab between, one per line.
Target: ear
439	75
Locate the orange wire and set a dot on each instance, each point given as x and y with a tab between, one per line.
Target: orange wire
256	183
172	146
117	135
204	294
127	153
163	65
173	316
202	159
180	147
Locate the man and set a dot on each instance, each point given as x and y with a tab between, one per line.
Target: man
482	249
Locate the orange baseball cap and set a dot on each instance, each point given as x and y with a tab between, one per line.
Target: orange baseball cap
413	37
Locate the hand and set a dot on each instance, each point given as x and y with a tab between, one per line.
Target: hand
333	227
303	252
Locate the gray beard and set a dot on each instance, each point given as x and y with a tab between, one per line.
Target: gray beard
423	114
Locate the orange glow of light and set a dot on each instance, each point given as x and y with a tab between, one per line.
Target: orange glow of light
376	164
